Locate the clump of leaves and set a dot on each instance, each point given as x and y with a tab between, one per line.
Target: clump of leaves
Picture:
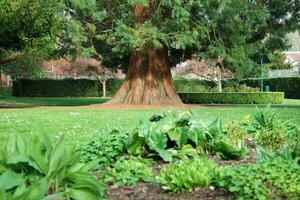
270	179
269	131
35	168
128	171
185	175
105	148
235	132
179	135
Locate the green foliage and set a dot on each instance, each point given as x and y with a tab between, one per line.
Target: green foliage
269	131
29	32
33	167
106	148
56	88
278	61
288	85
185	175
227	151
177	133
128	171
192	85
233	97
272	179
235	131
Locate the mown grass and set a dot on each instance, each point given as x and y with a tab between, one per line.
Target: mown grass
8	101
84	123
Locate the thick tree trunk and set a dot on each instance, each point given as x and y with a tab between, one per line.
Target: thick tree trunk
148	80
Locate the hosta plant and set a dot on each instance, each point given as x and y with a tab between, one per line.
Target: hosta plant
33	167
175	134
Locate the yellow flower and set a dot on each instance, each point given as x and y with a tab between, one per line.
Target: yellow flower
247	118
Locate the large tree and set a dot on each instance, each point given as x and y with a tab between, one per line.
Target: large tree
150	35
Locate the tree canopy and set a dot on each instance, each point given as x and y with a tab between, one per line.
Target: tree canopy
236	31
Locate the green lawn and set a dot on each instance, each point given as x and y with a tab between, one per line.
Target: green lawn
83	123
8	101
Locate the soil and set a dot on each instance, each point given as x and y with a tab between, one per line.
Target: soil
153	191
149	191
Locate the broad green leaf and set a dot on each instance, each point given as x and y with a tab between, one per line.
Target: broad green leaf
77	194
9	180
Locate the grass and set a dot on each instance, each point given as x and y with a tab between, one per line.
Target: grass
84	123
8	101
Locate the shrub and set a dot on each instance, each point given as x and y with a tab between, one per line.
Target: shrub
289	85
234	97
106	148
186	175
193	85
245	88
33	167
128	171
272	179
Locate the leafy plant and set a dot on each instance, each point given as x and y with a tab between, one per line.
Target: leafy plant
105	148
128	171
186	175
269	131
226	151
33	168
235	131
271	179
175	134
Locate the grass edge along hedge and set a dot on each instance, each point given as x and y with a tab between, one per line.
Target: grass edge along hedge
233	97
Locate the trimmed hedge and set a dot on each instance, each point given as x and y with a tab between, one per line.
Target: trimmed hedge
289	85
233	98
55	88
91	88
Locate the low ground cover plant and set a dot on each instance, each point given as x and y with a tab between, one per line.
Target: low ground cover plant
185	175
33	167
106	148
129	171
276	178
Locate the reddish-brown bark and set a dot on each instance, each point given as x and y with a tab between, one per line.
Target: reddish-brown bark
148	80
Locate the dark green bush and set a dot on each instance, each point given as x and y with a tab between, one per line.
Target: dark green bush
56	88
289	85
234	97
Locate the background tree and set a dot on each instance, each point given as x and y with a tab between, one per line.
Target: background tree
28	33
